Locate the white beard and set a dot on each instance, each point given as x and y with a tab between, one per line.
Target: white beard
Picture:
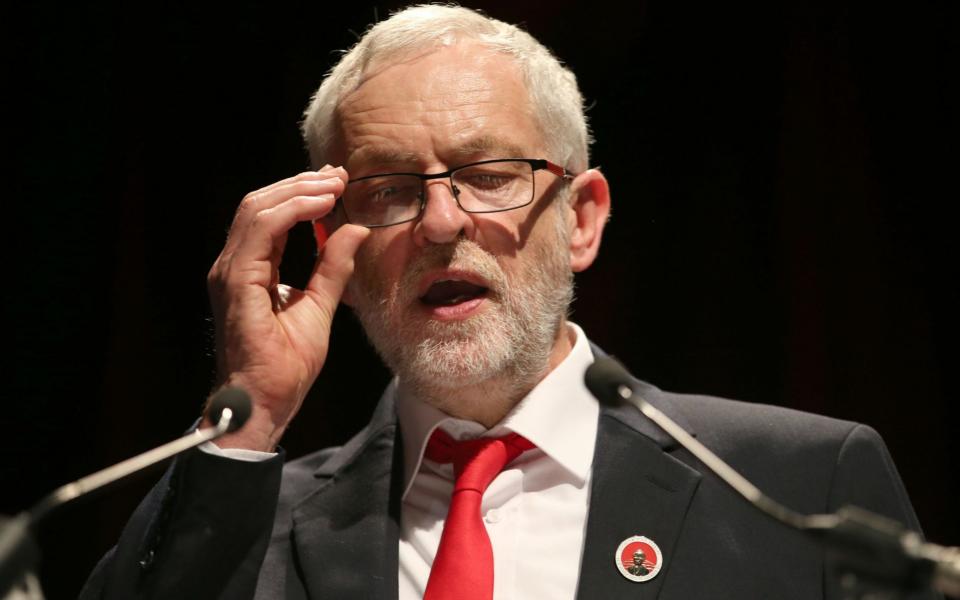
509	343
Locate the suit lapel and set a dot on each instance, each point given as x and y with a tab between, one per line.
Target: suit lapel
346	531
637	489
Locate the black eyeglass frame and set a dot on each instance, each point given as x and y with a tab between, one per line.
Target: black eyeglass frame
536	164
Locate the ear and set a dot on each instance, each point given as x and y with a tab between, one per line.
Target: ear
590	208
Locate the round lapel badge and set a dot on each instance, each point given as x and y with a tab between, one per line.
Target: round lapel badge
639	558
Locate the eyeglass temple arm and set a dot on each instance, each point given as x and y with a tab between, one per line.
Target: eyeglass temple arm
557	170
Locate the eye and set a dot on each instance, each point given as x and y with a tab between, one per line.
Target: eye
391	190
486	180
382	194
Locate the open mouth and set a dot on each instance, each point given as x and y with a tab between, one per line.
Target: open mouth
449	292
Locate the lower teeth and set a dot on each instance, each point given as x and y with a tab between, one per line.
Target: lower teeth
457	300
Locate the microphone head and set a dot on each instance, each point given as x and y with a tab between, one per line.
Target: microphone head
604	378
237	400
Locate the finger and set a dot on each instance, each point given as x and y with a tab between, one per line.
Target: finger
327	172
271	225
305	184
335	266
324	172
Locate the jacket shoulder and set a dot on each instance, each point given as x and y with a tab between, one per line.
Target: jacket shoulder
793	454
739	422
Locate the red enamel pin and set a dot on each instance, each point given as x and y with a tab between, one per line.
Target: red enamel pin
639	558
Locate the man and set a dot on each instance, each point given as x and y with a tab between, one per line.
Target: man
451	155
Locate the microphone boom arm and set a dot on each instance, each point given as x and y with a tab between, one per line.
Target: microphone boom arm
865	544
229	409
113	473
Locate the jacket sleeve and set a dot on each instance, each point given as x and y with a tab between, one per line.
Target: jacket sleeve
866	477
201	532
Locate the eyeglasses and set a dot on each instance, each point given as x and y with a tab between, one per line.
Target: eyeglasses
487	186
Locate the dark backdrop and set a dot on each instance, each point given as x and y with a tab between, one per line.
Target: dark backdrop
783	176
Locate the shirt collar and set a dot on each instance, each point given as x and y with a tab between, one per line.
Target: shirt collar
559	416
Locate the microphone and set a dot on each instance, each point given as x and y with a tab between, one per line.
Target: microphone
865	544
229	409
236	401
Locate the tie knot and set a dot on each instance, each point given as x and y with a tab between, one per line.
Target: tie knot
475	462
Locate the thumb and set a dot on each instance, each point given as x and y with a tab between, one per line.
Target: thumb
335	264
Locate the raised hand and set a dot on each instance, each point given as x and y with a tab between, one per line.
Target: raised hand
272	339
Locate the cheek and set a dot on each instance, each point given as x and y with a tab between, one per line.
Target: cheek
500	236
379	263
513	269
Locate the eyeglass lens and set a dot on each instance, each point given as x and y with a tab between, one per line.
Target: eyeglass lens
487	187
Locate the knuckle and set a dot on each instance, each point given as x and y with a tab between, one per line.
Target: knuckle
304	188
300	188
302	201
260	219
249	202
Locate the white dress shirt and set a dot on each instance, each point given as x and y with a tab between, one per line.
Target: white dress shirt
535	510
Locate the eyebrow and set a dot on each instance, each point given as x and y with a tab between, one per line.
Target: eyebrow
384	156
484	146
487	145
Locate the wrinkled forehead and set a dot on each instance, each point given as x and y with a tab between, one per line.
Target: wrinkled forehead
468	93
451	73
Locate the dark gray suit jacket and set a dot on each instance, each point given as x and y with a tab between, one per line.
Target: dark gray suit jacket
326	525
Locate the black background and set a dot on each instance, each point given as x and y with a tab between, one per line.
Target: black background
783	176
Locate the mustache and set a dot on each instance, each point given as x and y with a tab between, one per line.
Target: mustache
463	255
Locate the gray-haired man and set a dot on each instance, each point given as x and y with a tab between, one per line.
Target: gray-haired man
451	156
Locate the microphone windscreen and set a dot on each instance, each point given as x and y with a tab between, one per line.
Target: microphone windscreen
604	378
237	400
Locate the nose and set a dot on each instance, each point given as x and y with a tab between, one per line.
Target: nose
442	220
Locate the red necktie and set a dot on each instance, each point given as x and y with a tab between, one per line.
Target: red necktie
463	567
